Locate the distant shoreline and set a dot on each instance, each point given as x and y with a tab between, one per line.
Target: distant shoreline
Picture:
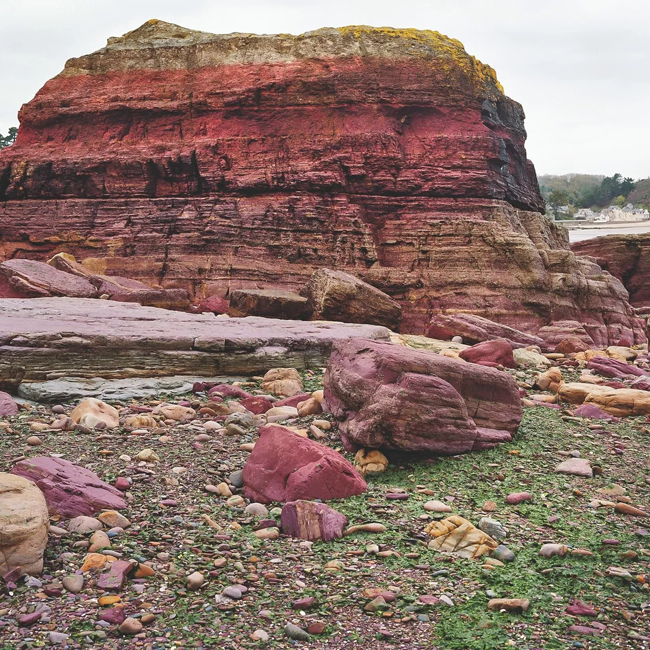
589	231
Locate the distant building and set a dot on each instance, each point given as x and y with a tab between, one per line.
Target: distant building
628	213
585	214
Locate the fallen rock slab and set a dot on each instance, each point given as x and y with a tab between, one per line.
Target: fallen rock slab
24	524
269	303
476	329
395	397
284	467
29	278
69	490
40	340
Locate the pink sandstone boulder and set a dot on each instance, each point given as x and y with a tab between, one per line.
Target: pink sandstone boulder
312	521
490	353
613	368
476	329
256	405
70	490
7	405
283	467
395	397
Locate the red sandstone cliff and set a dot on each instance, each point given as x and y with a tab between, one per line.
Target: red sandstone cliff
218	162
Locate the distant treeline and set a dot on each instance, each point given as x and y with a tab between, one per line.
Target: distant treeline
591	191
10	138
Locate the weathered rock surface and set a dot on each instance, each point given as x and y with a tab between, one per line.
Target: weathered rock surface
269	303
339	296
312	521
41	338
476	329
70	490
217	162
390	396
626	257
23	525
283	467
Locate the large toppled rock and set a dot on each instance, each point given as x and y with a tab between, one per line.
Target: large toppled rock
41	339
283	466
626	257
476	329
70	490
335	295
220	162
23	525
390	396
557	332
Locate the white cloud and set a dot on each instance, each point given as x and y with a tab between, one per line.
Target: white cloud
579	67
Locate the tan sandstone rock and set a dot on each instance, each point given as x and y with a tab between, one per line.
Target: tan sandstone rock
23	525
370	461
92	412
457	535
283	382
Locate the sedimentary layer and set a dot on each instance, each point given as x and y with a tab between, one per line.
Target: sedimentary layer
216	162
47	338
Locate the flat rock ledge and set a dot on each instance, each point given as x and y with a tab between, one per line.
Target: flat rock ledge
49	338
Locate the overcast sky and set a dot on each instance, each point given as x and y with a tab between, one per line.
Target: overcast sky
581	68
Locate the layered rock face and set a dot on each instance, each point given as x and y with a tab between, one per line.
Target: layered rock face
626	257
218	162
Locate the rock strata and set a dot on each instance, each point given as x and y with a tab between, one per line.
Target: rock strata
212	163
